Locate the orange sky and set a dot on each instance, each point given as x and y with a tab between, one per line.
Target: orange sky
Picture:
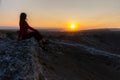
87	14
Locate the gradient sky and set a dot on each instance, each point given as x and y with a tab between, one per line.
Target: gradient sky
58	13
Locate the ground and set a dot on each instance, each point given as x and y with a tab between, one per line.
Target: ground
87	55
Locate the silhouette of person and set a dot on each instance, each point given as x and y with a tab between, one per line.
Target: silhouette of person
27	31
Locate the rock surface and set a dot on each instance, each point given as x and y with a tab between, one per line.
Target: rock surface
25	60
21	61
16	60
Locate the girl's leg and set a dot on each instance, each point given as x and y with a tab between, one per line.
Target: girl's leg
36	35
39	38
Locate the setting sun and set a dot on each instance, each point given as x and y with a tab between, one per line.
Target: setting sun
72	26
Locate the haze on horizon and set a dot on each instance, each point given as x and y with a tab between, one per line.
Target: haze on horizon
87	14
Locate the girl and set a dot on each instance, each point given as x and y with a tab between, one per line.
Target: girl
27	32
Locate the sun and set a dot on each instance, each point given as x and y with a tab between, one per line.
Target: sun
72	26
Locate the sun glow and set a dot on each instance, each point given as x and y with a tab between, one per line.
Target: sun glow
72	27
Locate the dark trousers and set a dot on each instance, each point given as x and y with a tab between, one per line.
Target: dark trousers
36	35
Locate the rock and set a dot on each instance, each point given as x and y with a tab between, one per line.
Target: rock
25	60
20	60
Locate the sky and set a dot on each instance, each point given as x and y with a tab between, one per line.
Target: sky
87	14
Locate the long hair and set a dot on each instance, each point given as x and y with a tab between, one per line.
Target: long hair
22	17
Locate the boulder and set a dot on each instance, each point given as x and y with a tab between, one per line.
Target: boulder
20	60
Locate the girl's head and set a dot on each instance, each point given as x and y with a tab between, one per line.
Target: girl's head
23	16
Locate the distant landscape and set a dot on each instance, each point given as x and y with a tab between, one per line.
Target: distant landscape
104	39
83	55
41	29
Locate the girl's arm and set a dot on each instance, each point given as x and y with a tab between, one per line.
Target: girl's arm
29	27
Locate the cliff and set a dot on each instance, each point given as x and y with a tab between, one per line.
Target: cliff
63	60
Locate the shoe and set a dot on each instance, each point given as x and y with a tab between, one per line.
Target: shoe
43	47
46	42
